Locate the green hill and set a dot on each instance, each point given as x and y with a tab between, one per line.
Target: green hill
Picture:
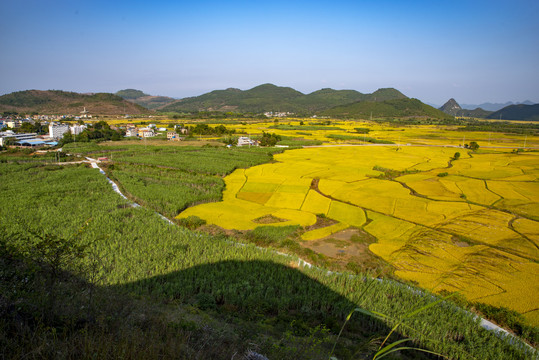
130	94
67	103
476	113
517	112
145	100
266	97
388	108
385	94
328	98
269	97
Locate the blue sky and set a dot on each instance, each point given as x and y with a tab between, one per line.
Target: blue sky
474	51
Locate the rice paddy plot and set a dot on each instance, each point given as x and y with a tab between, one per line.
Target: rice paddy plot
476	191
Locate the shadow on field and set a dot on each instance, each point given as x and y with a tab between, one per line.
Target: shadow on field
272	294
212	311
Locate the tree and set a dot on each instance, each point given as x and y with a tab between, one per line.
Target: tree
474	146
26	127
269	139
230	140
456	156
66	139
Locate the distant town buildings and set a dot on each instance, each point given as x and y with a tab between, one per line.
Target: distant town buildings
84	114
277	114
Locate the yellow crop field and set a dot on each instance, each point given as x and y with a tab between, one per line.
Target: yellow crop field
316	203
528	228
473	229
476	191
323	232
346	213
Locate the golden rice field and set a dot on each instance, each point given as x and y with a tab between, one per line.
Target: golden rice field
474	230
417	134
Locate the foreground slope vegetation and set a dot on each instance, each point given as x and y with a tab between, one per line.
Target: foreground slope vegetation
70	245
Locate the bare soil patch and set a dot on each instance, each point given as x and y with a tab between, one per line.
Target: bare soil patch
349	250
268	219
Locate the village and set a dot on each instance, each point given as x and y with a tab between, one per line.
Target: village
39	131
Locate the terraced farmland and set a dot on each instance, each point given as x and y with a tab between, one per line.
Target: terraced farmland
474	229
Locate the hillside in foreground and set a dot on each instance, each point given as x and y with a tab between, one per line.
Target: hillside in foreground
69	103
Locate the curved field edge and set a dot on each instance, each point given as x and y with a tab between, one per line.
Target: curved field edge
143	255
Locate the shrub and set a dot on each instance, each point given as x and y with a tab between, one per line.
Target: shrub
191	222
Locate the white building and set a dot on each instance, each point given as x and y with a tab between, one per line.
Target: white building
77	129
14	124
244	140
145	132
56	131
131	132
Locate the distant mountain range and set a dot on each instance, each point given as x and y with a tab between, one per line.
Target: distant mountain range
67	103
269	97
386	102
526	112
493	106
383	103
